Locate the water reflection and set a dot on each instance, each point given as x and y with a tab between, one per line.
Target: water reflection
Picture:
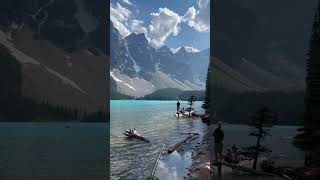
175	165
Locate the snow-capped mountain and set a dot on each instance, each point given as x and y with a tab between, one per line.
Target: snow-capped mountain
139	69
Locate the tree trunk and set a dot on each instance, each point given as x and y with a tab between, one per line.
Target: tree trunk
254	166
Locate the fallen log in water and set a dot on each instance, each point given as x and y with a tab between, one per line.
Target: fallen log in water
157	161
191	133
194	138
173	148
241	168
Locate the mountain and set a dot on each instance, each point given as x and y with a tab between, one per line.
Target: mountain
259	59
174	94
263	42
58	47
197	61
139	69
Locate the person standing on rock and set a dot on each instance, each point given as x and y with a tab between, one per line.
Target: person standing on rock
218	135
178	106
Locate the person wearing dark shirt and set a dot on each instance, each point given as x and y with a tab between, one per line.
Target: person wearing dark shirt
178	106
218	135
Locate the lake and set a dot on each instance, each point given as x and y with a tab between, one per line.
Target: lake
133	159
41	151
49	151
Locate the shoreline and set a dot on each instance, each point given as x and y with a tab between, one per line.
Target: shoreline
200	156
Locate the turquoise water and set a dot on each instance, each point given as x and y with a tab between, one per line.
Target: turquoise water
133	159
41	151
280	142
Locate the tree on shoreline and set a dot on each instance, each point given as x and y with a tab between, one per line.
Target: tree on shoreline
191	102
305	140
208	93
260	122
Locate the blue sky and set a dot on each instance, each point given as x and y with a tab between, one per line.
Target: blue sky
174	23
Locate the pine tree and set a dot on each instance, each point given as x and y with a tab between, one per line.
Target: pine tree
191	102
305	140
208	93
261	122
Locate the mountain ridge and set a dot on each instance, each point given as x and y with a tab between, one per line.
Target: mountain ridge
62	61
133	59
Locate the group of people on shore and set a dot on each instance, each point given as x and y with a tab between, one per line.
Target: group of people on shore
232	155
180	111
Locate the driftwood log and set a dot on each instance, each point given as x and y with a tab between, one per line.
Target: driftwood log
219	164
176	146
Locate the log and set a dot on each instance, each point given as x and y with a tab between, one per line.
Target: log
241	168
194	138
191	133
157	160
173	148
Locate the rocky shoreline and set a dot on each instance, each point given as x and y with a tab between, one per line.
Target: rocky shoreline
200	156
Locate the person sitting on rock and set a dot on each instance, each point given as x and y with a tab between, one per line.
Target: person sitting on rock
228	157
235	154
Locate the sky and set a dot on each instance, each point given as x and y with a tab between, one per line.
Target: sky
174	23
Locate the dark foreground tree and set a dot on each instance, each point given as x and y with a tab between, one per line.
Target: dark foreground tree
208	93
261	122
308	137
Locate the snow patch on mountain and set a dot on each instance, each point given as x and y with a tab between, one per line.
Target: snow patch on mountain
136	67
20	56
26	59
175	50
119	80
130	86
65	80
114	77
87	22
136	87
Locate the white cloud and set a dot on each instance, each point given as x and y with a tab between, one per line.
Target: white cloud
163	23
137	26
119	17
191	49
199	19
127	2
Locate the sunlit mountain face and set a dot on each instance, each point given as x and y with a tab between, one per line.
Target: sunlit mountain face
158	45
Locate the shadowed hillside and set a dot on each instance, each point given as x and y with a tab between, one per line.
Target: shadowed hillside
59	48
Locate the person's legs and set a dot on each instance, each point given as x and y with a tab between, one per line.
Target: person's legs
216	156
220	148
216	151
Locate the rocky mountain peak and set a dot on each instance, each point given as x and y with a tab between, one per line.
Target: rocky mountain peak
137	38
164	49
182	51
